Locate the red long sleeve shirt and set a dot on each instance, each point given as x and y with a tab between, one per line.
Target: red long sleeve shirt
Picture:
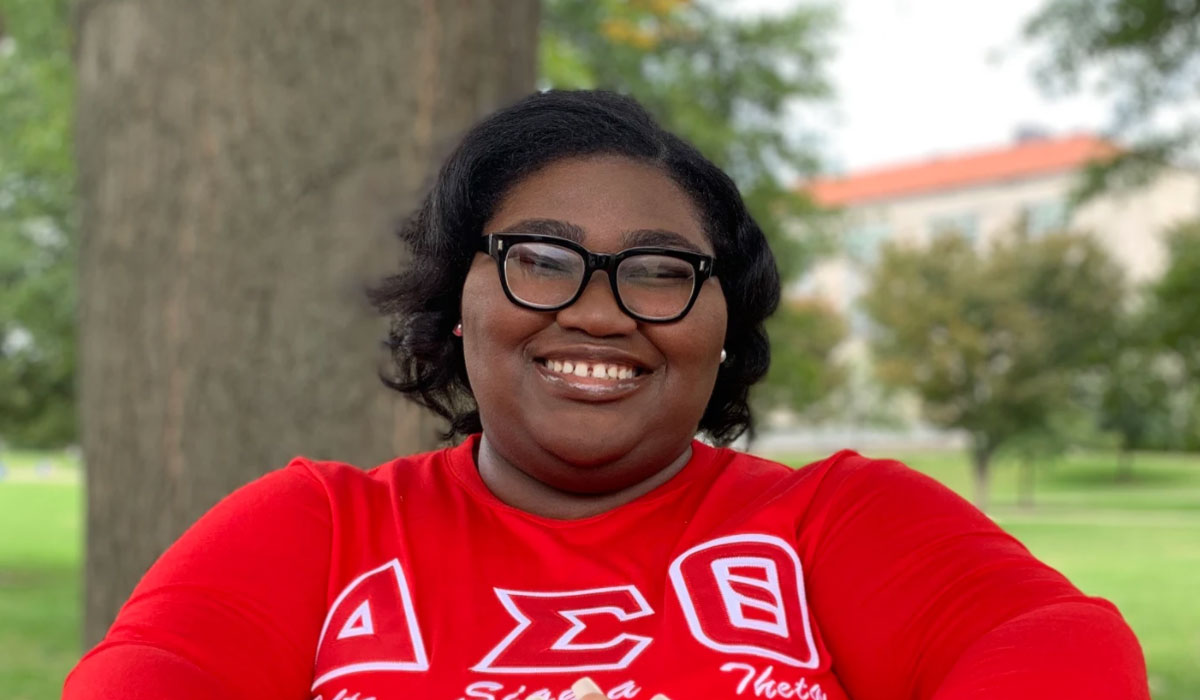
738	578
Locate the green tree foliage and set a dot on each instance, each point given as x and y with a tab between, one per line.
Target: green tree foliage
37	230
1175	298
1173	325
992	342
1145	54
726	84
1145	393
1135	402
803	336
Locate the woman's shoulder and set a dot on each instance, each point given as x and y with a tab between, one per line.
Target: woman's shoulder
840	466
843	475
341	472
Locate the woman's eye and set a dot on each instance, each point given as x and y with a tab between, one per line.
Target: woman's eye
543	264
657	273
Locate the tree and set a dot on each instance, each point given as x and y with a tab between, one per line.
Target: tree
1175	311
241	166
1173	325
1037	444
1148	389
37	227
1145	54
1135	391
804	334
993	342
728	84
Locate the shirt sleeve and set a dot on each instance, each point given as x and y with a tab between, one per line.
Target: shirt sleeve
231	610
920	595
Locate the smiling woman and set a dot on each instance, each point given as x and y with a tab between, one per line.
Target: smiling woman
585	294
528	170
577	433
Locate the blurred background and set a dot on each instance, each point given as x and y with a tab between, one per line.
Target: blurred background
988	215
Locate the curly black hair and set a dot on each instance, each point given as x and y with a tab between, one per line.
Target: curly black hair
442	237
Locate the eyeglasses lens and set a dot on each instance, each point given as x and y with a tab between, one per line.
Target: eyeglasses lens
655	286
542	274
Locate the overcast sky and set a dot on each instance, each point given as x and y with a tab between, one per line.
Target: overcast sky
917	78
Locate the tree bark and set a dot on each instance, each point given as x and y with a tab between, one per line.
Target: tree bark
241	168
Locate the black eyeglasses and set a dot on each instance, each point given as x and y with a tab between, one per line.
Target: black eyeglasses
545	273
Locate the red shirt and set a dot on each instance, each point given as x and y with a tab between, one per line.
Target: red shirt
738	578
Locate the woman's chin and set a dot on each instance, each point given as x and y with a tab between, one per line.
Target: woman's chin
592	464
590	452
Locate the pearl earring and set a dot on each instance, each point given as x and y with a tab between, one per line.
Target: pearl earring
458	329
723	355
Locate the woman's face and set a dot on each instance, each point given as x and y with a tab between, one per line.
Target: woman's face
591	435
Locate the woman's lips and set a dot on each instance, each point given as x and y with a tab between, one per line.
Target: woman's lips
590	386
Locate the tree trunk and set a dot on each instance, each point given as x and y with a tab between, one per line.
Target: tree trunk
981	459
242	165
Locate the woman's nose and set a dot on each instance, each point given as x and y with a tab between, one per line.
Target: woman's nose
595	311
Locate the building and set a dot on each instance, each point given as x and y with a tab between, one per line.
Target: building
985	194
980	195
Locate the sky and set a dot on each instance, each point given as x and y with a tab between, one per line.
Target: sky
921	78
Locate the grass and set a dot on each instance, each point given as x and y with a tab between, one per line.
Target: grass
40	601
1135	543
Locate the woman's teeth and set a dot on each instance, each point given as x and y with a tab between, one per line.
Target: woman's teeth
596	370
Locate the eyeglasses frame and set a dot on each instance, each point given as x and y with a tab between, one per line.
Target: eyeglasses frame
497	245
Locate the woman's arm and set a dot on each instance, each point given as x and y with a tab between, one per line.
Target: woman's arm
231	610
1062	650
920	595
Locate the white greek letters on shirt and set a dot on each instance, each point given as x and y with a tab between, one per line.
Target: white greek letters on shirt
547	638
761	587
374	628
740	595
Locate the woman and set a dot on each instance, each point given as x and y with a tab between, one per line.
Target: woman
579	529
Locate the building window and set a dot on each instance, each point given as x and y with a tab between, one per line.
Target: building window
965	224
1044	217
862	241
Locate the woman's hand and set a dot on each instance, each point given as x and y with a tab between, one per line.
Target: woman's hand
586	689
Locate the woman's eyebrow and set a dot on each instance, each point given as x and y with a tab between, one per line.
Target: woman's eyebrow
630	239
547	227
659	237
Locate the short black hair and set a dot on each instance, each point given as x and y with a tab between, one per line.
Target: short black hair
442	237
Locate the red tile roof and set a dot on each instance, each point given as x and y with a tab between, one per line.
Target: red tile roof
1022	160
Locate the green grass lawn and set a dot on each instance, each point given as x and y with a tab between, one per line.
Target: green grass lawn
1135	543
40	603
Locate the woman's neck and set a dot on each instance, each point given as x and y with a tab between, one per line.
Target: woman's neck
515	487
